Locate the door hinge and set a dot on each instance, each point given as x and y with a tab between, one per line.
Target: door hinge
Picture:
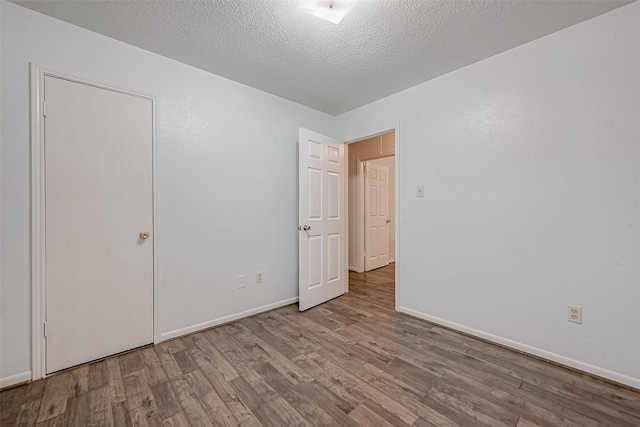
364	169
46	329
44	109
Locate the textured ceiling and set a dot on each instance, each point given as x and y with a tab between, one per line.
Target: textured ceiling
381	47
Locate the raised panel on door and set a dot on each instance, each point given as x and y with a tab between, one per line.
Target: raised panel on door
98	198
322	222
315	193
372	243
333	196
315	268
333	257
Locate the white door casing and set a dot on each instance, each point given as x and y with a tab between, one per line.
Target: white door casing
98	158
376	216
322	219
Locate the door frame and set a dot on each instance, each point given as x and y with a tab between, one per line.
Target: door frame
38	266
360	136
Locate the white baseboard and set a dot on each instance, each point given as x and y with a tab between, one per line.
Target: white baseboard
562	360
225	319
15	379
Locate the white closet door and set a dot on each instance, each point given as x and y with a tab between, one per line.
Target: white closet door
376	216
99	204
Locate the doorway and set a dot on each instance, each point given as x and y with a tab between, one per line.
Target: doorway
371	216
376	287
93	217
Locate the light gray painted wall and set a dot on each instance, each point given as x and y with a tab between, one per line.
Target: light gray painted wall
531	165
227	177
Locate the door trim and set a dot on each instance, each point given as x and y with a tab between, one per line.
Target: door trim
38	285
395	127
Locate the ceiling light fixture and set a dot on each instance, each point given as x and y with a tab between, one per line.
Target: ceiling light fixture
330	10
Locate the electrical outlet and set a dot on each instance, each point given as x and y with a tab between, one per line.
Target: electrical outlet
420	191
242	281
259	277
574	314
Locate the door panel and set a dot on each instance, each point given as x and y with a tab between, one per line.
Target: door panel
323	272
333	196
315	193
98	198
334	257
376	216
315	268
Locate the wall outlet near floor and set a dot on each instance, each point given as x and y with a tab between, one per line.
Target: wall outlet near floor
259	277
242	281
574	314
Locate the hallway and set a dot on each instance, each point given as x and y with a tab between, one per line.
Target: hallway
377	286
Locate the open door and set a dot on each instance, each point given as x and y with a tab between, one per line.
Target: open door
322	221
376	216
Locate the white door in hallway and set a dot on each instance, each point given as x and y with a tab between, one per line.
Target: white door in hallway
322	219
376	216
99	205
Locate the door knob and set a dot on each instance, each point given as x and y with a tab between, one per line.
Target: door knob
388	221
144	235
306	228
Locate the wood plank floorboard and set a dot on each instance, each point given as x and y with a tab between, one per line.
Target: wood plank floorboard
352	361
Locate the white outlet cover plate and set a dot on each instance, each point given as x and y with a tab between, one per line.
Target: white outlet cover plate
420	191
242	281
574	314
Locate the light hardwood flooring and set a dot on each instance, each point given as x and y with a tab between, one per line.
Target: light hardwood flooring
350	362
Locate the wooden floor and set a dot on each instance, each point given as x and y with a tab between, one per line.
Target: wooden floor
376	287
350	362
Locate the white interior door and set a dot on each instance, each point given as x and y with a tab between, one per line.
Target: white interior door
376	216
99	203
322	209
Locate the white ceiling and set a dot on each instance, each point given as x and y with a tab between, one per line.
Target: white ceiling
381	46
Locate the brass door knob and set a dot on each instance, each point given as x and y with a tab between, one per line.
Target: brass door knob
144	235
